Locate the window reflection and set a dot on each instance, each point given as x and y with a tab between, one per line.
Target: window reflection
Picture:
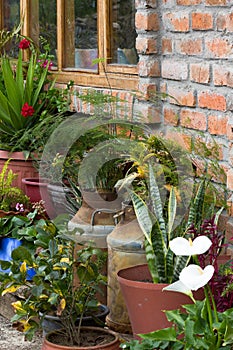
123	35
11	19
81	34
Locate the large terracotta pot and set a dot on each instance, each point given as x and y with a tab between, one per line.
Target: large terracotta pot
19	165
146	301
112	345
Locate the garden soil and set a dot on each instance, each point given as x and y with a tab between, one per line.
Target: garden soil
11	339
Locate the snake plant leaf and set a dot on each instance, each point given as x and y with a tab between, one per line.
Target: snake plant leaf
156	202
143	215
172	205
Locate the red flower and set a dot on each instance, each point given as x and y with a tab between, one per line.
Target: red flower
24	44
27	111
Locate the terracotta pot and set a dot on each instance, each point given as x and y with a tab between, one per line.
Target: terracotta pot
19	165
34	188
146	301
113	345
37	190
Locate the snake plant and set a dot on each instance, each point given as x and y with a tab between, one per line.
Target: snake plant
157	225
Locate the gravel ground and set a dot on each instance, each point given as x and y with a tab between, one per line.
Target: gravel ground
11	339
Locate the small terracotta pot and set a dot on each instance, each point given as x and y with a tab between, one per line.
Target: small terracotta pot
113	345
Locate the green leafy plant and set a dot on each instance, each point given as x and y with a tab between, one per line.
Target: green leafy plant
157	225
28	97
10	196
191	330
66	280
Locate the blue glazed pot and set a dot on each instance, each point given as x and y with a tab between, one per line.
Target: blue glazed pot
7	245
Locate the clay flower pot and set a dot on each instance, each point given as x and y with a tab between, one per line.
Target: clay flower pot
96	332
146	301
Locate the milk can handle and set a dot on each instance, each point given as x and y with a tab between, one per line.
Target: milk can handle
99	211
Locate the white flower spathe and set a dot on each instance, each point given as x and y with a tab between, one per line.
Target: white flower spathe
185	247
194	277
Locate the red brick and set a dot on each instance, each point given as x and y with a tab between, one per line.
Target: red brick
230	130
182	97
225	22
188	2
189	46
147	21
200	73
222	75
171	117
147	113
193	120
202	21
217	125
212	100
145	45
230	179
174	69
148	90
219	48
178	22
216	2
148	67
166	45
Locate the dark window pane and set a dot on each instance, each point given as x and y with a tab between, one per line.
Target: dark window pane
48	22
11	19
123	32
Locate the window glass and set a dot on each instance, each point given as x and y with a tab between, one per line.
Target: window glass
123	36
11	19
43	23
48	22
81	34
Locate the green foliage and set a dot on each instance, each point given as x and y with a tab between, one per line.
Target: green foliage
157	222
29	83
191	330
66	281
10	195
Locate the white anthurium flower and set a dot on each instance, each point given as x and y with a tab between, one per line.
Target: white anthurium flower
187	247
194	277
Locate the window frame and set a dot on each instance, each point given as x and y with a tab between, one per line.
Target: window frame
108	75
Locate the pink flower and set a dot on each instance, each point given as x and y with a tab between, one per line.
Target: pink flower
24	44
27	111
46	63
19	207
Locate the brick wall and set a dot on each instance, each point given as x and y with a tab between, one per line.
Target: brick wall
190	42
185	50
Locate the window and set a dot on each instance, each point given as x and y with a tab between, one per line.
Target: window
78	32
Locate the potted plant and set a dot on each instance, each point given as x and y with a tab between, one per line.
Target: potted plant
65	284
12	199
194	326
31	105
163	267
